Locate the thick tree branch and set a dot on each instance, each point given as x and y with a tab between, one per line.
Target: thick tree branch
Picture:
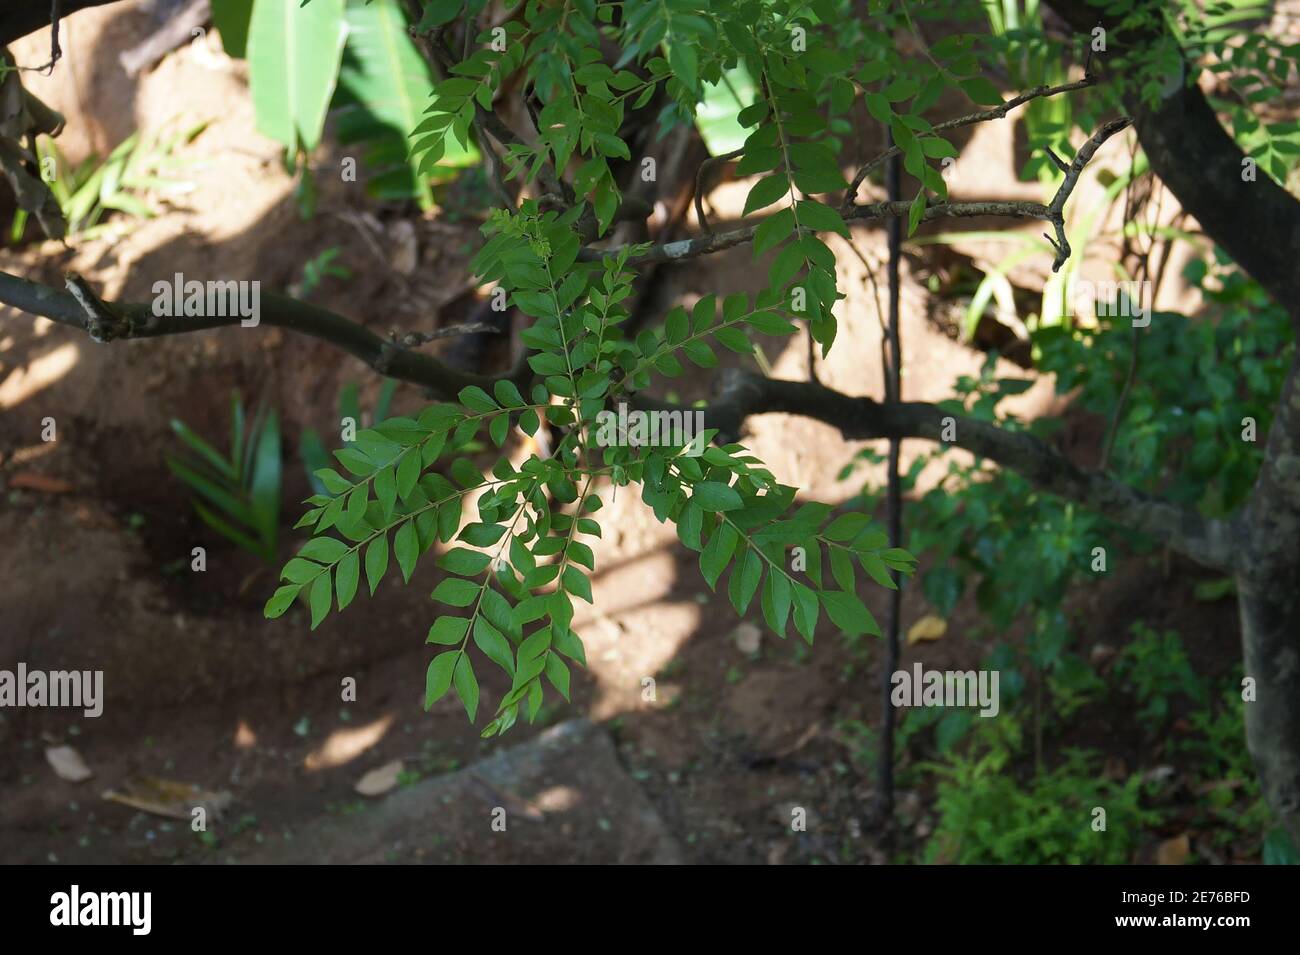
1208	542
131	321
20	19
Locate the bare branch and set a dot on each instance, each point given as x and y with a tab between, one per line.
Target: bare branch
1085	153
415	339
699	185
120	321
716	242
493	164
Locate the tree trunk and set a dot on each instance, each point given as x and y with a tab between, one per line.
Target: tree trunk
1270	636
1268	592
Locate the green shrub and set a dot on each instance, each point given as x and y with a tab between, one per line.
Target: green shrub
989	815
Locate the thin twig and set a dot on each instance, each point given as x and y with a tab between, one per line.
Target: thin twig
398	344
56	53
875	291
415	339
983	116
1053	213
920	40
1118	414
718	241
493	164
1081	158
699	185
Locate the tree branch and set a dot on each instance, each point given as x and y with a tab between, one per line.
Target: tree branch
718	241
700	173
1072	173
134	321
1208	542
1053	213
21	19
997	112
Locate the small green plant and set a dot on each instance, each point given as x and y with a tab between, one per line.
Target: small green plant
1156	668
987	814
1232	802
317	269
912	731
123	182
237	494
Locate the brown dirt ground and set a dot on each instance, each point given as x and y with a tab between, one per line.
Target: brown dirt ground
200	688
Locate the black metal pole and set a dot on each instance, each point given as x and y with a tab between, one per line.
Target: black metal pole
893	500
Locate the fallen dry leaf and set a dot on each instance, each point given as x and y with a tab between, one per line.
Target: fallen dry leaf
67	762
166	797
1174	851
381	780
926	629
